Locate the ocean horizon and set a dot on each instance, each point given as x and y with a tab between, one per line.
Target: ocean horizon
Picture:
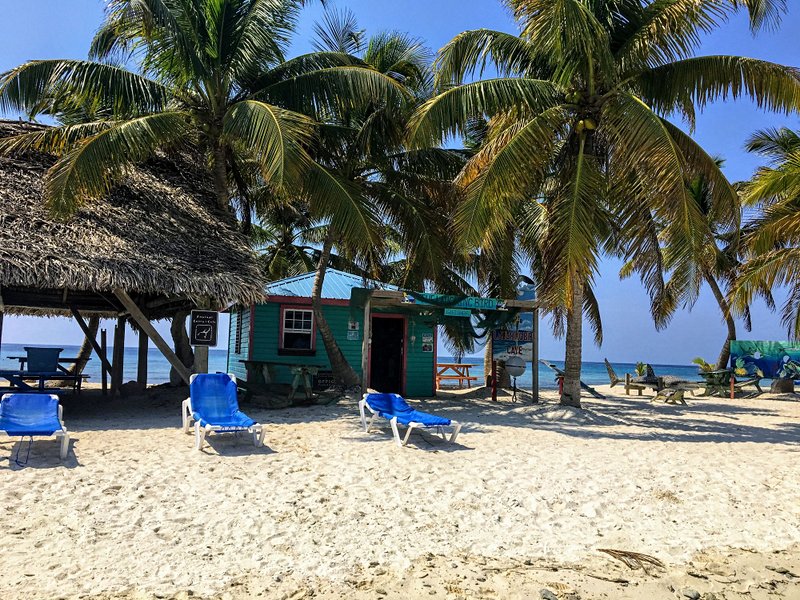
592	373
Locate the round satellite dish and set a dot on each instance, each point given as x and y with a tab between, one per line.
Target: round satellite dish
515	366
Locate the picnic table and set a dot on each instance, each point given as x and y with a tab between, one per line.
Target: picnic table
259	374
18	379
454	372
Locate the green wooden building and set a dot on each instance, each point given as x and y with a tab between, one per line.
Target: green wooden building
400	354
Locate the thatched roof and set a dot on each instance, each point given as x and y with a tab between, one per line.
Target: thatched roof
159	236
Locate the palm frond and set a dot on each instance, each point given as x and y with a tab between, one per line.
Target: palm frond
27	87
710	78
450	113
471	52
95	164
274	135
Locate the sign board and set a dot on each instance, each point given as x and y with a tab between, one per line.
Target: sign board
324	380
457	312
470	303
517	338
353	335
203	328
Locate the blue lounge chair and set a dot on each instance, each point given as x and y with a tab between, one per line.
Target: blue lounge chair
395	409
28	415
213	407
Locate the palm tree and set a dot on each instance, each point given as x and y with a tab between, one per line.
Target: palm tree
716	265
578	130
210	74
361	152
773	238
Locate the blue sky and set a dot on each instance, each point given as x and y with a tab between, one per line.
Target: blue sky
57	29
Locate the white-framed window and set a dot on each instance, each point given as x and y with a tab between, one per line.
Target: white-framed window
297	329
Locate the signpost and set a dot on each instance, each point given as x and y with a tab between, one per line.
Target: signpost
519	339
203	328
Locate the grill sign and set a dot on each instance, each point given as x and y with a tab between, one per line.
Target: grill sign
203	328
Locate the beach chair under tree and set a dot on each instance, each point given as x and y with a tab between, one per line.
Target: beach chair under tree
396	410
213	407
33	415
629	385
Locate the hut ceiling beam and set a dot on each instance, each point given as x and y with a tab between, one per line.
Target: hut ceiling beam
151	332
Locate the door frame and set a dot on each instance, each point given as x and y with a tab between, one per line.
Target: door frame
405	347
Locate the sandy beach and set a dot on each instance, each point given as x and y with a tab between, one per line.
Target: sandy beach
524	502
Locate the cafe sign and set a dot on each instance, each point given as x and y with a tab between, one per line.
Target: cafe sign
469	303
516	339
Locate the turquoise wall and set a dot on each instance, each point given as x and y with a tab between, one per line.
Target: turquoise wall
234	365
419	366
265	340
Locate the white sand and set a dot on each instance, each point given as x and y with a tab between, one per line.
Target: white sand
136	511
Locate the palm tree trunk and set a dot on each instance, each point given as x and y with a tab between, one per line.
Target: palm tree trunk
573	352
86	347
221	177
339	365
487	362
183	348
725	353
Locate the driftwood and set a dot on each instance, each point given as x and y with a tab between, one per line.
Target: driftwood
634	560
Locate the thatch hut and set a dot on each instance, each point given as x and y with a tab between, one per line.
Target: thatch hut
156	246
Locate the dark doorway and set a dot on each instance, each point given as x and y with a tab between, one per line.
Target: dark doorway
386	359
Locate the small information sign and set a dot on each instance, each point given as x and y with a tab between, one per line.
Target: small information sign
203	328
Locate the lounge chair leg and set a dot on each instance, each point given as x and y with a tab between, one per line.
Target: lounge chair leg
64	445
361	404
199	436
393	423
456	431
186	416
258	436
408	434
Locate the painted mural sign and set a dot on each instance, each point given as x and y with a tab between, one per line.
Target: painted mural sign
517	338
770	360
469	303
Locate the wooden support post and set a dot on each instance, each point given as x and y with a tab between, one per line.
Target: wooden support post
119	356
103	355
141	367
151	332
535	357
365	343
494	380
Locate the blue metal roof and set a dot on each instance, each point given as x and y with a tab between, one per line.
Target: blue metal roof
337	285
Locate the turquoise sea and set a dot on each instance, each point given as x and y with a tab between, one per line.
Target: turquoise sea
157	365
593	373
